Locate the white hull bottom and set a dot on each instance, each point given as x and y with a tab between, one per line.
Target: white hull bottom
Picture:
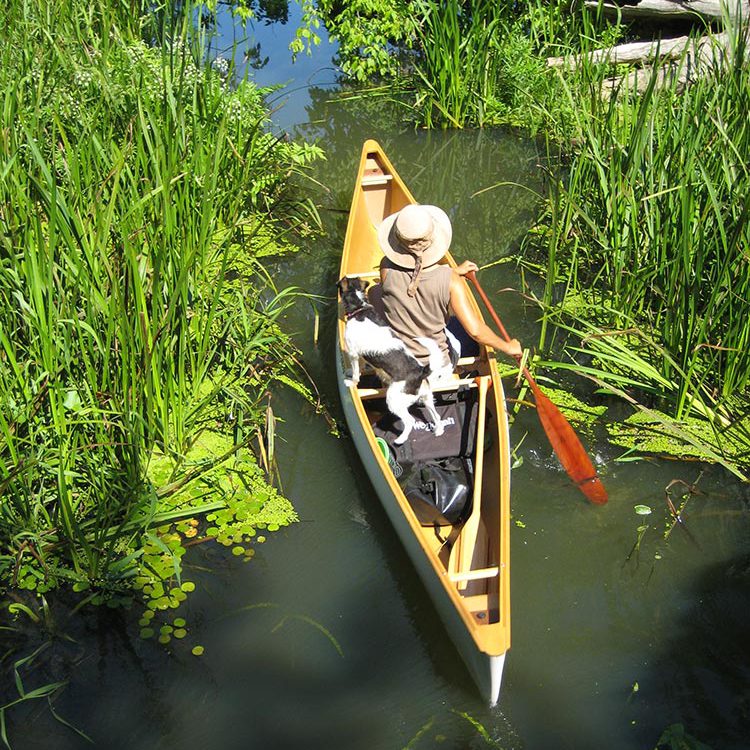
487	670
497	664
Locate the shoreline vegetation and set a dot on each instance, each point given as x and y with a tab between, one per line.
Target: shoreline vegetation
641	244
141	194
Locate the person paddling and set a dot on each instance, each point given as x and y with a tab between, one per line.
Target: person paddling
419	294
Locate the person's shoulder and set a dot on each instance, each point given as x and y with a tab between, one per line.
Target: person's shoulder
390	272
451	274
443	270
389	265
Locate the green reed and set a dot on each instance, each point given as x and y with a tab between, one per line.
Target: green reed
649	228
135	201
482	63
459	65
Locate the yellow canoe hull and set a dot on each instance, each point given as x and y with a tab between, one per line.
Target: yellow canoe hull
465	570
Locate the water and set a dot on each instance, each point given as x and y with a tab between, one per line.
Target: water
327	639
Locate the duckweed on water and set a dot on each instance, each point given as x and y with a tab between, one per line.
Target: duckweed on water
651	432
241	502
690	437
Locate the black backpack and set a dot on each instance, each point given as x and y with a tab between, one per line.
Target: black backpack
436	473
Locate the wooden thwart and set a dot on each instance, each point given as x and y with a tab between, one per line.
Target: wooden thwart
376	180
446	385
474	575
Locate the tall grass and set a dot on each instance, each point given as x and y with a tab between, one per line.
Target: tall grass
459	63
478	65
134	200
649	228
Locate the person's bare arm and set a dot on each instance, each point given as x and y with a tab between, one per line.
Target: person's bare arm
470	320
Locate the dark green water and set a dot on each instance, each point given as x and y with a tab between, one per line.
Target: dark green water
327	640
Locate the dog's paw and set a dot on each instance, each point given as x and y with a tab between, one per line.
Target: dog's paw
351	383
439	429
400	440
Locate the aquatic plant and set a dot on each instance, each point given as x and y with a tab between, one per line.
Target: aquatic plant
461	63
135	314
478	65
647	227
30	632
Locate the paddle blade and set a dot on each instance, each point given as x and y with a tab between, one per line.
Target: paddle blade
562	436
568	448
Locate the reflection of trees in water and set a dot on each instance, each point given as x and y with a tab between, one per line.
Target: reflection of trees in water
270	11
263	11
267	11
445	168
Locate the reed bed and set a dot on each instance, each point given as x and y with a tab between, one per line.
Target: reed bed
647	233
477	64
135	203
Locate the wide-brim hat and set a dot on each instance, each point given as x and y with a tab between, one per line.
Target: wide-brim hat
415	230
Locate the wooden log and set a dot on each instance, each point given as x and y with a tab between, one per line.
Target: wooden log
639	52
637	81
706	10
703	59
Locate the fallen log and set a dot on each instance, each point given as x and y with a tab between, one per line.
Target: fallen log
708	55
706	10
639	52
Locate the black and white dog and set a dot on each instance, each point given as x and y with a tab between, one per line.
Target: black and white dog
368	337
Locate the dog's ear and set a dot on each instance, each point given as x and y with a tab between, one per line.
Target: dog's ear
365	284
342	284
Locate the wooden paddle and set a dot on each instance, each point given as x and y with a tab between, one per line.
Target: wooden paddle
561	435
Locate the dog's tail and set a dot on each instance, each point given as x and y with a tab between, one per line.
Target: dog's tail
437	361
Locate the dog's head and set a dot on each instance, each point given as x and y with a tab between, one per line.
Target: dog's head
352	292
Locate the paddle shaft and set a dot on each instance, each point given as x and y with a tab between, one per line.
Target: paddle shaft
561	435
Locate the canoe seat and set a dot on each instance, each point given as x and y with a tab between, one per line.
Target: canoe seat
450	384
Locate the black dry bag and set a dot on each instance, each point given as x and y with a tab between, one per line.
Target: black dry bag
439	491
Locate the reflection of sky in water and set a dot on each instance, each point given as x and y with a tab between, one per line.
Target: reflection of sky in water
296	77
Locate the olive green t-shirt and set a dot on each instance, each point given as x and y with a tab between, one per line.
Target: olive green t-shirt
423	315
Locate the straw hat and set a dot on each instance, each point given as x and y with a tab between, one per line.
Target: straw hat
415	233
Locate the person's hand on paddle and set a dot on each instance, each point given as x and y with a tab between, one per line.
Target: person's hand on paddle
466	267
512	348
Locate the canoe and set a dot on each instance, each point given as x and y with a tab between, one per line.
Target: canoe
464	567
